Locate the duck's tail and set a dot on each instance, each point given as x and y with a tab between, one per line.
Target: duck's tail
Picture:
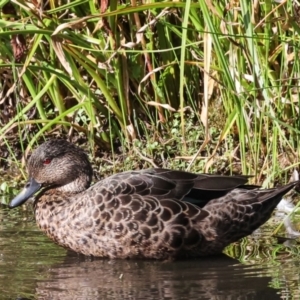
239	213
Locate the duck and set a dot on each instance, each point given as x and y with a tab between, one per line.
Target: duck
149	214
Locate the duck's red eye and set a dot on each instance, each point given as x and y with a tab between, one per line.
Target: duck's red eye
47	161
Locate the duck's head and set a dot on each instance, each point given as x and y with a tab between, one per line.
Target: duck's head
56	164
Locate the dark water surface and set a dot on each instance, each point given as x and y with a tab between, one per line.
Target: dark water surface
32	267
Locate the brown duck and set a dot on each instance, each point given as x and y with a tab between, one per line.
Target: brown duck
155	213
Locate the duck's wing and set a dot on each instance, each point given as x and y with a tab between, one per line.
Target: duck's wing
177	185
143	211
205	186
170	190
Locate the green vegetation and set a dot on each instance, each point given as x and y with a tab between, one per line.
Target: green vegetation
210	86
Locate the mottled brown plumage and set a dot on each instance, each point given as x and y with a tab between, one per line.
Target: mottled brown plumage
154	213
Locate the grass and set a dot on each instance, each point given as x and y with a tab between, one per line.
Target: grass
204	86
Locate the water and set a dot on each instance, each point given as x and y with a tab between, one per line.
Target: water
32	267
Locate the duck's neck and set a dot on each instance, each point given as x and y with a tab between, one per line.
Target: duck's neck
78	185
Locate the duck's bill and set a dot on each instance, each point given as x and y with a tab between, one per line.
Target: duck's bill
30	188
